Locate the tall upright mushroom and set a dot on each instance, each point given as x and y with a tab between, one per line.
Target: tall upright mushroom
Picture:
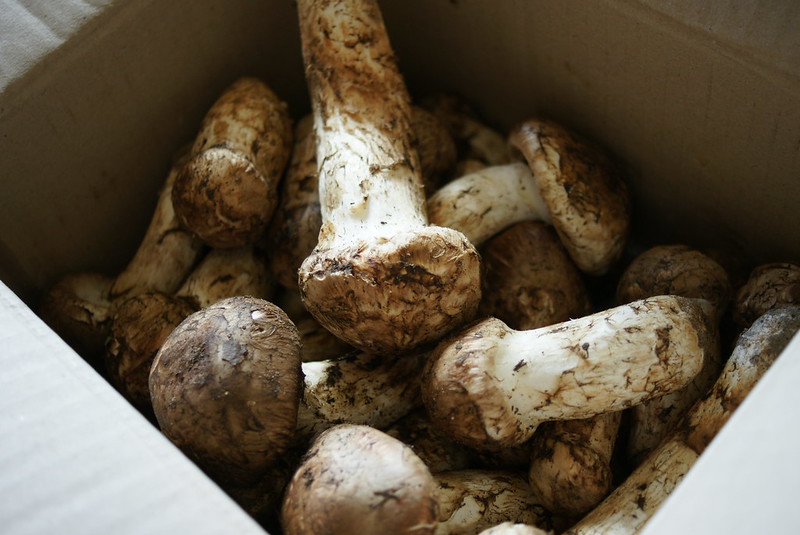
380	277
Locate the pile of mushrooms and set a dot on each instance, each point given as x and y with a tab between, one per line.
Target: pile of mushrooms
391	318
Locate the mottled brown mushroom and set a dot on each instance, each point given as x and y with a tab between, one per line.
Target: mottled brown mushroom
228	190
673	270
567	182
356	479
140	324
769	286
225	388
529	280
358	388
635	501
380	278
491	386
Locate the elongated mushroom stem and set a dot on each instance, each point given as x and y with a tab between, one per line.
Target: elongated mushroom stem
491	386
472	500
568	182
358	389
380	278
675	270
633	502
225	388
227	191
356	479
167	252
769	286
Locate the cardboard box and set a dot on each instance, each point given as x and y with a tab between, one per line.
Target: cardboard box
701	102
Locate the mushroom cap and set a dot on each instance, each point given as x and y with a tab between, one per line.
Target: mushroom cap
510	528
393	294
769	286
675	270
139	326
223	198
583	189
529	279
435	147
356	479
226	386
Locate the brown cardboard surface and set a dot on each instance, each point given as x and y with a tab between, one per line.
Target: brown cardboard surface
701	103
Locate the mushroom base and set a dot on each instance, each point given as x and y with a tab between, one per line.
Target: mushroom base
369	294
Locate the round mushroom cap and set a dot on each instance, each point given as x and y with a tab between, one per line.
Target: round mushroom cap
529	279
226	387
221	196
434	145
584	191
770	286
510	528
675	270
356	479
394	294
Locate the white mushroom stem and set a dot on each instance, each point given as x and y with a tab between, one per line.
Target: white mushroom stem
358	389
483	203
472	500
631	504
491	386
380	278
166	254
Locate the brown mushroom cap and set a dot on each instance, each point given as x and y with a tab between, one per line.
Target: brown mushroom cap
356	479
675	270
435	147
529	279
392	295
584	192
139	326
769	286
226	386
227	191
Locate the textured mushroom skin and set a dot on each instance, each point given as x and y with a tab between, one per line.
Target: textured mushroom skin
634	501
356	479
377	261
589	199
139	326
491	386
472	500
675	270
529	280
227	191
769	286
226	385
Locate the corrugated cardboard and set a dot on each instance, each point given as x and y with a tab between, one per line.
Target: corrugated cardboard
700	102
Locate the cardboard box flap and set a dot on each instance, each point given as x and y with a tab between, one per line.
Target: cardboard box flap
75	457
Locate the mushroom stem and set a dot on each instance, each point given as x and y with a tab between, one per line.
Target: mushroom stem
483	203
633	502
473	500
358	389
166	254
377	261
227	191
491	386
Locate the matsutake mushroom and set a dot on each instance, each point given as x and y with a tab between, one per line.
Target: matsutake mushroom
228	189
490	386
567	182
380	278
